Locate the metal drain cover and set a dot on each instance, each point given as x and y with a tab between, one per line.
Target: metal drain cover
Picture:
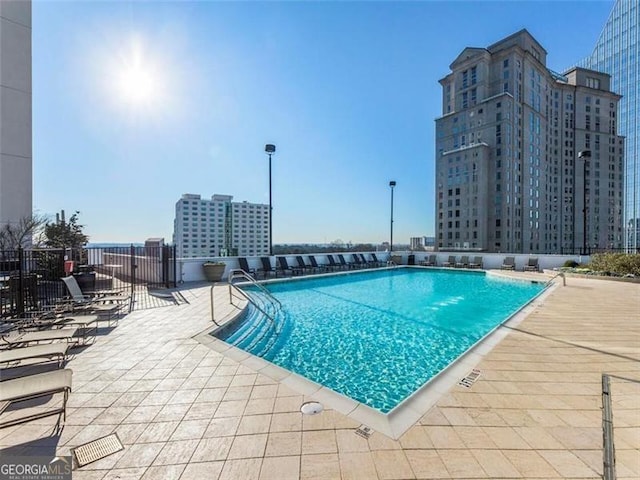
97	449
470	379
311	408
364	431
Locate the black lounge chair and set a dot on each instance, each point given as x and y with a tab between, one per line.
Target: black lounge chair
344	263
411	259
332	263
267	269
378	263
368	263
283	266
316	267
244	265
303	266
357	262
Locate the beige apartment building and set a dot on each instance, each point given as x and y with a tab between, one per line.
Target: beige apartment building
512	174
15	112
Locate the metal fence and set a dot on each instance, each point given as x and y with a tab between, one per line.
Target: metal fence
31	279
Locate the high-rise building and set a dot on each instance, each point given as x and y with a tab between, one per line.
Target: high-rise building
509	174
15	112
617	52
220	227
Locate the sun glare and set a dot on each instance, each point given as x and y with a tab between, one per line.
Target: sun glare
138	80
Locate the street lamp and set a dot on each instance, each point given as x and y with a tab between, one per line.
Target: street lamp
392	184
270	149
584	155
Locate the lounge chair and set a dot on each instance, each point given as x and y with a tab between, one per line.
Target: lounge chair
476	263
464	262
357	262
20	357
79	297
316	267
509	263
17	339
451	262
344	263
283	266
303	266
267	269
531	265
244	266
332	263
35	386
430	261
377	262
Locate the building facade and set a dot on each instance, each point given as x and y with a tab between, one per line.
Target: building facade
508	173
617	52
15	112
219	227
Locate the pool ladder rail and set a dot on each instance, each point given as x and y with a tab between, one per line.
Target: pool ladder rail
268	305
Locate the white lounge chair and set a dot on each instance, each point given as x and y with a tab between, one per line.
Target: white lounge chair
16	339
20	357
79	297
35	386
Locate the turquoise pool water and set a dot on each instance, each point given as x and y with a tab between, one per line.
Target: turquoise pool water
378	336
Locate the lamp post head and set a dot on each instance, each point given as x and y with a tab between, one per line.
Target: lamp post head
269	148
584	154
392	183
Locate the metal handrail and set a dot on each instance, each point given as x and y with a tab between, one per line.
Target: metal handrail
559	274
241	273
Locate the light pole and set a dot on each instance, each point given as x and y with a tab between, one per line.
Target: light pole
392	184
584	155
270	149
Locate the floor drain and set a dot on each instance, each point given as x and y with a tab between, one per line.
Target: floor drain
97	449
364	431
311	408
470	379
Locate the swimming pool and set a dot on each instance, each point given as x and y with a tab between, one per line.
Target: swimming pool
378	336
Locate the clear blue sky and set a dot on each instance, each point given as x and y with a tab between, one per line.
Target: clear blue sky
348	91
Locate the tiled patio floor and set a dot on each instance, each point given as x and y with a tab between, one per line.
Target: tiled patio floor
185	411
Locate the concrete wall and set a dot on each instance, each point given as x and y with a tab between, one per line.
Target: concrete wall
190	269
15	111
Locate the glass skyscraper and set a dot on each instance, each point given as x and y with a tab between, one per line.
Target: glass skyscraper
617	53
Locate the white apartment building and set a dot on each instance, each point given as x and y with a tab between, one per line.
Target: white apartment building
219	227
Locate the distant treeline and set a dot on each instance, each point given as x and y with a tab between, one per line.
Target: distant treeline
331	248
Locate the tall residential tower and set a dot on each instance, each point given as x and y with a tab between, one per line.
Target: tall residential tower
509	177
617	53
15	111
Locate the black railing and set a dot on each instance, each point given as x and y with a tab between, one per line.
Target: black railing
592	250
31	279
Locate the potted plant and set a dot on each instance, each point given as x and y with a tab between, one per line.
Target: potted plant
213	271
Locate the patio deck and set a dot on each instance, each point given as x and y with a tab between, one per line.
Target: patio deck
185	411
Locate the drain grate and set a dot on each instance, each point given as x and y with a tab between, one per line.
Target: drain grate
470	379
97	449
364	431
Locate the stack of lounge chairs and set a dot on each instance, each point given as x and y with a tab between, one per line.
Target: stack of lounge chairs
44	340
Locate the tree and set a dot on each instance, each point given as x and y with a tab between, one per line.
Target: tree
22	233
63	234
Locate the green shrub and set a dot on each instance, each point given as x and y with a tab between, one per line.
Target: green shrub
571	264
620	263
